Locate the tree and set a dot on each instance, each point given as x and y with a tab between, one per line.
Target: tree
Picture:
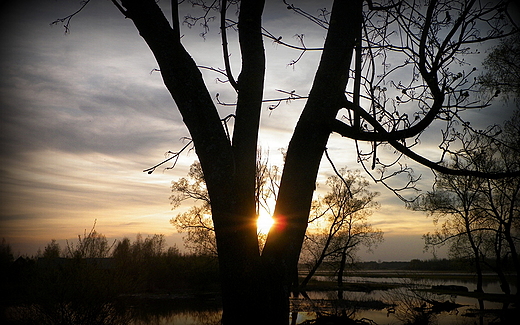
455	198
196	223
423	41
52	250
343	228
91	245
502	68
501	199
481	215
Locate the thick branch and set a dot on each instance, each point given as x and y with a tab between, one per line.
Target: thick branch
446	170
380	134
250	87
225	52
175	18
184	81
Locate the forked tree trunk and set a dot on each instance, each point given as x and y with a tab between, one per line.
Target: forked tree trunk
255	288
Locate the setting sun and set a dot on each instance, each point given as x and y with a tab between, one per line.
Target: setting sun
264	223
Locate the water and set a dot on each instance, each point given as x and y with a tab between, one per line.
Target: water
409	296
183	318
402	302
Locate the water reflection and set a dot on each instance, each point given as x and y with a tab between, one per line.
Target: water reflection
168	309
412	305
182	318
410	301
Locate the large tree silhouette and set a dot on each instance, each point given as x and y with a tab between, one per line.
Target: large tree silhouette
356	92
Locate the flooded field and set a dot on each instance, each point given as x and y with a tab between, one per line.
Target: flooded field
410	300
368	298
373	297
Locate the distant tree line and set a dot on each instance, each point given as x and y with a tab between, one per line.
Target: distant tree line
436	264
88	282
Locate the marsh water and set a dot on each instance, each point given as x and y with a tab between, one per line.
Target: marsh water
397	298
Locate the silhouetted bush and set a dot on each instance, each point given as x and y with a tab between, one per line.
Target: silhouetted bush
79	290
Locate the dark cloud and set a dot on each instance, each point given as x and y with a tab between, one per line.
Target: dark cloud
51	98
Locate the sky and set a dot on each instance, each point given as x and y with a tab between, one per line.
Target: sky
83	114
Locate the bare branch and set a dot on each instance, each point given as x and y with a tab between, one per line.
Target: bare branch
174	156
66	20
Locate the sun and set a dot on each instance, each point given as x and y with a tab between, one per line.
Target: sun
264	222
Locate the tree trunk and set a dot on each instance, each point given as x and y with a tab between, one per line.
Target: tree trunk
284	242
504	284
478	269
514	256
475	249
341	271
255	289
318	263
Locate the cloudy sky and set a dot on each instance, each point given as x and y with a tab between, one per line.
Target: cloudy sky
82	115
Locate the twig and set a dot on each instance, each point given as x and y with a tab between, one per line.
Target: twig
175	155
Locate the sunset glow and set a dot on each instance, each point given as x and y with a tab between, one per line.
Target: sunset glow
264	223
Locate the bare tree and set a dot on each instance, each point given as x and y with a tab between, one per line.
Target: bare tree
91	245
479	215
501	199
197	222
423	41
503	69
453	202
343	227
